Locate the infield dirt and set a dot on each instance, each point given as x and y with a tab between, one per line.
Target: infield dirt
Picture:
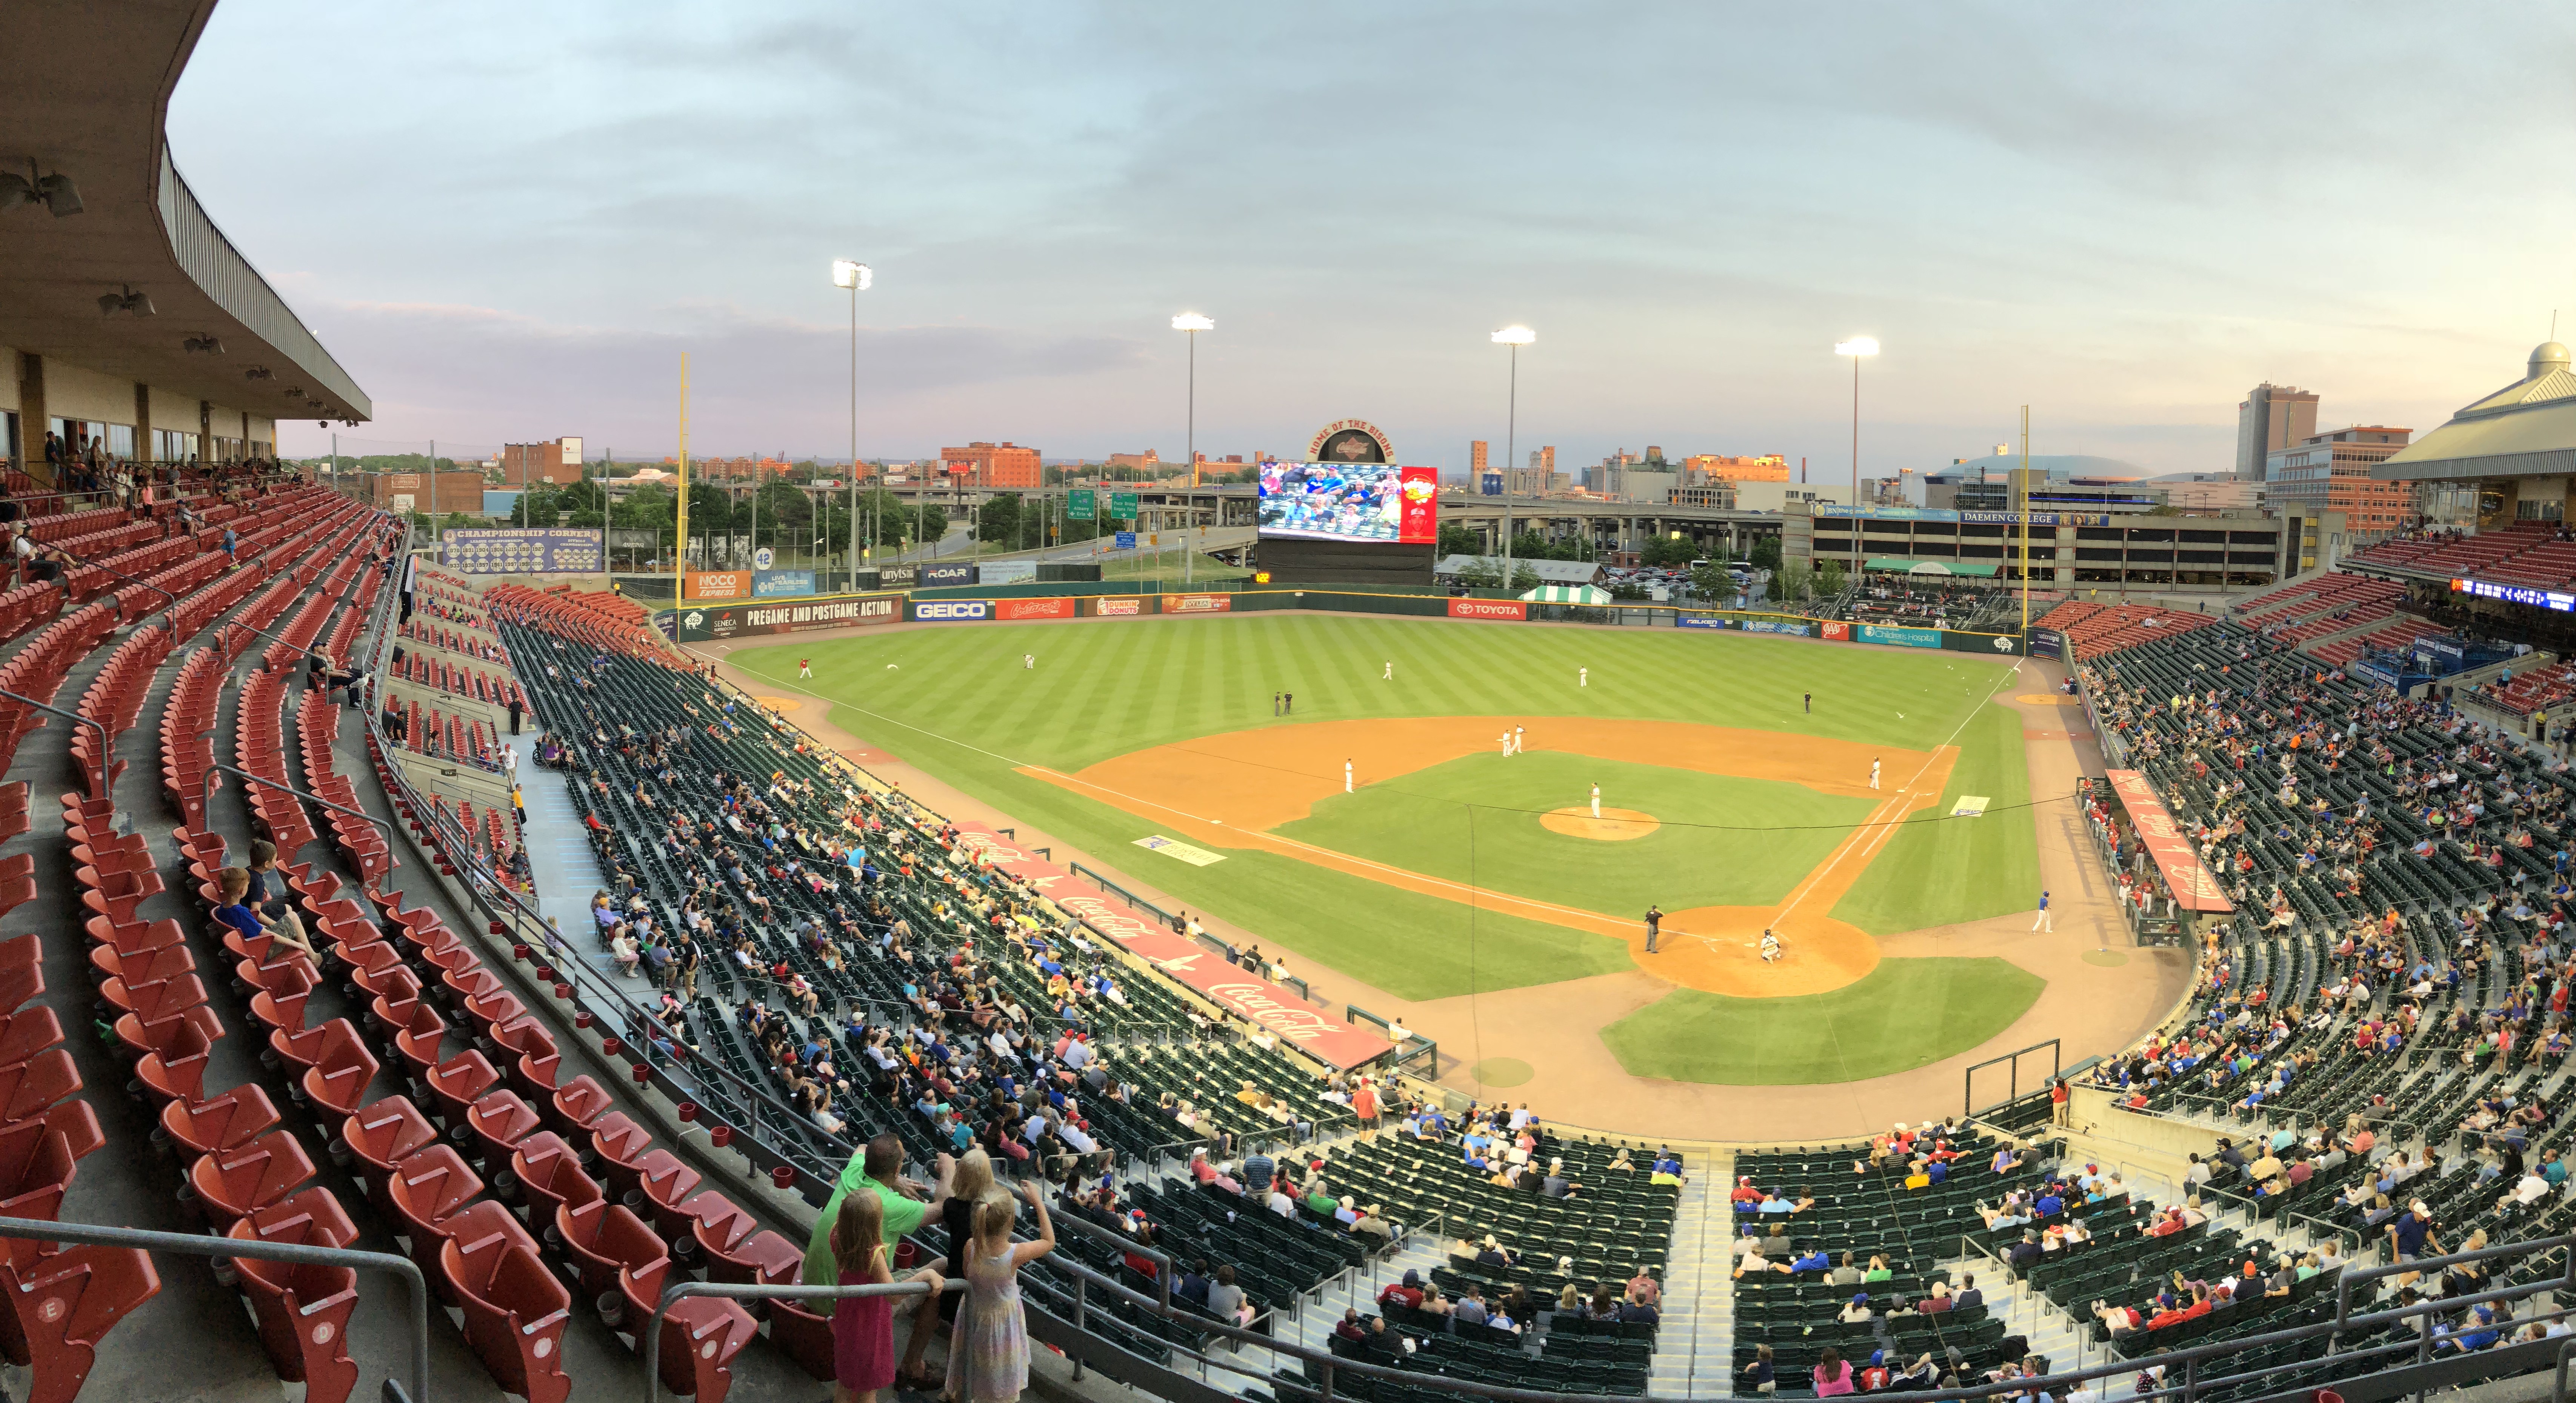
1231	790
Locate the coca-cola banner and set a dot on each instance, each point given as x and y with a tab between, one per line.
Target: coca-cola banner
1237	990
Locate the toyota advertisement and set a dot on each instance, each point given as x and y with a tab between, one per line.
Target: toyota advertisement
1350	502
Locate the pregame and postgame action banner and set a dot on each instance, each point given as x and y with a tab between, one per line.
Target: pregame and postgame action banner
697	623
1236	990
2194	889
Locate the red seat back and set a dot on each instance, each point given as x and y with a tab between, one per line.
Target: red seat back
235	1183
236	1117
515	1312
54	1312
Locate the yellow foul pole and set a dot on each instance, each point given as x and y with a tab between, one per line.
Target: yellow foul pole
680	552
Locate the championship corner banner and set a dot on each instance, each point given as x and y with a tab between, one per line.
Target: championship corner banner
1247	995
2194	887
521	550
699	623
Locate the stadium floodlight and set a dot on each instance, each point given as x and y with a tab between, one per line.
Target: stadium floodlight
55	192
1856	348
128	301
1192	323
1514	336
856	278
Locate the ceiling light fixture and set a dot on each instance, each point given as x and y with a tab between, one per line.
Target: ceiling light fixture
206	344
55	192
256	372
128	301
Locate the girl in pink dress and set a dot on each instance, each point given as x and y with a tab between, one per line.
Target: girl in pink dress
863	1354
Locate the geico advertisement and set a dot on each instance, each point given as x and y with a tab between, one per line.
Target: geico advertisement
933	610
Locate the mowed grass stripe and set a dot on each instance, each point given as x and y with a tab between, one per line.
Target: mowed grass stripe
1111	688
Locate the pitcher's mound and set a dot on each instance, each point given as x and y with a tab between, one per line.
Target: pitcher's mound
1614	825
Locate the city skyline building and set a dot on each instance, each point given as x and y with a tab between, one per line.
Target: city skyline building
2271	417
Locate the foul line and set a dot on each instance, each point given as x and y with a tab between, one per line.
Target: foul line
1877	834
1874	832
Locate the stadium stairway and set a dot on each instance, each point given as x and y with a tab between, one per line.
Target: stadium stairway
560	860
1695	1347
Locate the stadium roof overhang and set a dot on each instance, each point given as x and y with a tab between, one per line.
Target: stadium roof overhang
88	101
2526	429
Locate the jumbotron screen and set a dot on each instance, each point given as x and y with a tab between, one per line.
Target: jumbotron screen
1350	502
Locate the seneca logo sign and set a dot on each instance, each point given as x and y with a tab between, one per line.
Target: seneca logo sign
952	609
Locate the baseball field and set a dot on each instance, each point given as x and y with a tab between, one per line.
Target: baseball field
1380	829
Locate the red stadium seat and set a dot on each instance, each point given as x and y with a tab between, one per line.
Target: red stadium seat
338	1082
175	1071
550	1176
499	1121
515	1309
382	1135
233	1184
457	1083
426	1190
578	1103
601	1238
27	1032
237	1117
59	1307
700	1337
303	1309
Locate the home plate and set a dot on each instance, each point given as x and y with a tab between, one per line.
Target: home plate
1970	806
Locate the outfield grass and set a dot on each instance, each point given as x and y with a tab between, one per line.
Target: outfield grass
1725	841
1906	1013
957	702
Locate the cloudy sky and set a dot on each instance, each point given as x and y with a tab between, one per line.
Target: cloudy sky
508	221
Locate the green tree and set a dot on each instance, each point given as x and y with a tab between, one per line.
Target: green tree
999	519
1664	552
1765	554
1711	581
1530	545
1627	590
536	507
1524	577
1457	539
1482	573
1793	582
1829	577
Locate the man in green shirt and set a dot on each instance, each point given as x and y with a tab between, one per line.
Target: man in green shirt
879	1170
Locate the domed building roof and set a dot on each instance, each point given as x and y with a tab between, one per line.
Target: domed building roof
2526	429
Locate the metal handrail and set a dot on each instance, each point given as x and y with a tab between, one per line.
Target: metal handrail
171	614
650	1339
201	1245
206	789
106	742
